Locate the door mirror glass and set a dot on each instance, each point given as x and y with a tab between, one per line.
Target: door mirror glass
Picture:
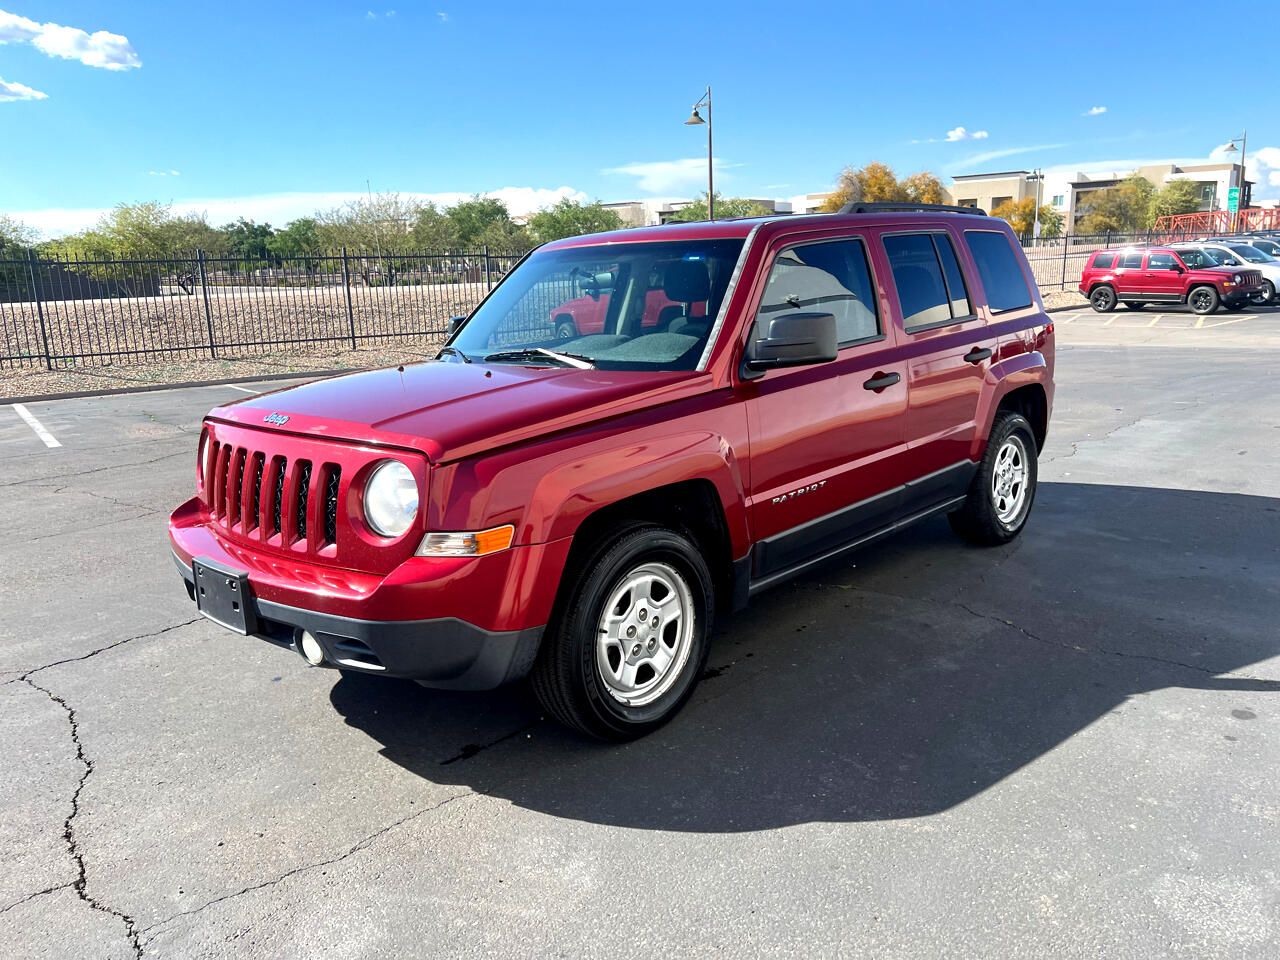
795	340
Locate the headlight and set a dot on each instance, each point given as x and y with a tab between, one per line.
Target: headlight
391	499
1237	278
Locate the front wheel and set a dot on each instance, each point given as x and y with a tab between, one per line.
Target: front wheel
628	642
1266	295
1204	300
566	329
1004	486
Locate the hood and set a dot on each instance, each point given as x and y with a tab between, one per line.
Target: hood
450	410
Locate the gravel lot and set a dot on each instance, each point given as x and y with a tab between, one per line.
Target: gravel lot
1067	747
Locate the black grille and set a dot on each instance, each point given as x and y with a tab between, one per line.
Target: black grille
304	495
278	499
331	504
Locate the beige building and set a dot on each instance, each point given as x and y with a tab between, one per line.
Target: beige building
1068	193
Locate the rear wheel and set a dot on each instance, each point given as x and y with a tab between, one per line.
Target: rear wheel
1135	304
1204	300
1004	486
627	644
1264	296
1102	299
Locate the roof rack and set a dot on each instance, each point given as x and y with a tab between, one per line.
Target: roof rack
895	207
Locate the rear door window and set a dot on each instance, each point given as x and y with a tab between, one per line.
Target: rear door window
829	277
931	288
998	266
1131	260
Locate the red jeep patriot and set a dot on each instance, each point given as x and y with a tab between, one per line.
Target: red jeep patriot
579	510
1138	276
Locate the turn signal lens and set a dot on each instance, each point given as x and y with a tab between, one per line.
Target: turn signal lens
467	544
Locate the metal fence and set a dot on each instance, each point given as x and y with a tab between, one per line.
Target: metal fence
1057	262
58	313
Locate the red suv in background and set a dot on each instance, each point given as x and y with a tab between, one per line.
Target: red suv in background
578	511
1138	276
587	313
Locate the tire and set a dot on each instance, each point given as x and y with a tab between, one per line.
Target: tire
1265	296
1102	299
995	511
1135	304
591	671
566	329
1204	300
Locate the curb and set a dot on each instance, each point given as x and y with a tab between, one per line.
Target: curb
184	385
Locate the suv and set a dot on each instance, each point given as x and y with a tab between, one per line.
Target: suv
1138	276
1242	253
580	510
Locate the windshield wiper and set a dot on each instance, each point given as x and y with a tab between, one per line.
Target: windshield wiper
537	353
453	351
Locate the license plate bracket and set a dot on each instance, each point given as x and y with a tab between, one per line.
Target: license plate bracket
222	595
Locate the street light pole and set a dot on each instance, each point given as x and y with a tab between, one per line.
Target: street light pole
1243	140
1035	228
694	120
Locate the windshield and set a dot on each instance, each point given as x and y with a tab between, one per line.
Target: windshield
1252	254
1266	246
640	306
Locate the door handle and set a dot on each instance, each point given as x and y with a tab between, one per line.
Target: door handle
977	354
880	381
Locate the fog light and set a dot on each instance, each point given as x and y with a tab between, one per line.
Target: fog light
312	652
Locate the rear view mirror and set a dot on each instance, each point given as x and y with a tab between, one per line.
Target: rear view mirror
794	340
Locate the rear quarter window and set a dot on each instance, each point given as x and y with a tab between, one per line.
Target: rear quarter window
1000	270
1104	261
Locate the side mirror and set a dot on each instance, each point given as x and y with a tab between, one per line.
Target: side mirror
455	324
1177	268
794	340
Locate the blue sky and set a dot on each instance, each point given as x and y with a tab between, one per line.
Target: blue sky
274	109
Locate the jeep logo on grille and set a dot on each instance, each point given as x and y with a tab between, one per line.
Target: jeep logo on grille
279	419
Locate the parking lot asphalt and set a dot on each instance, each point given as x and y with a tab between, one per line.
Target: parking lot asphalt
1066	747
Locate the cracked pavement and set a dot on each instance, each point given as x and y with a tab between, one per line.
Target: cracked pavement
1067	746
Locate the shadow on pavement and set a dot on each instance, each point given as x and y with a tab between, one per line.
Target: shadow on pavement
904	682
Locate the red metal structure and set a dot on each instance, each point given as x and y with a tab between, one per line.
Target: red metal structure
1217	222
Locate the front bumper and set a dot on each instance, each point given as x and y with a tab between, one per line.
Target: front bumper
445	652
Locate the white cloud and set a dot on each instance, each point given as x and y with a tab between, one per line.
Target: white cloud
960	133
1094	111
12	91
163	173
978	159
279	208
108	51
670	176
444	17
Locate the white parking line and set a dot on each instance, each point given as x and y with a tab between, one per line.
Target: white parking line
49	439
232	386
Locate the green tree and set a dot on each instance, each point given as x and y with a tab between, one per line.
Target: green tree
1124	208
485	221
1175	197
16	237
248	240
433	229
1021	215
376	224
299	239
727	208
568	218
